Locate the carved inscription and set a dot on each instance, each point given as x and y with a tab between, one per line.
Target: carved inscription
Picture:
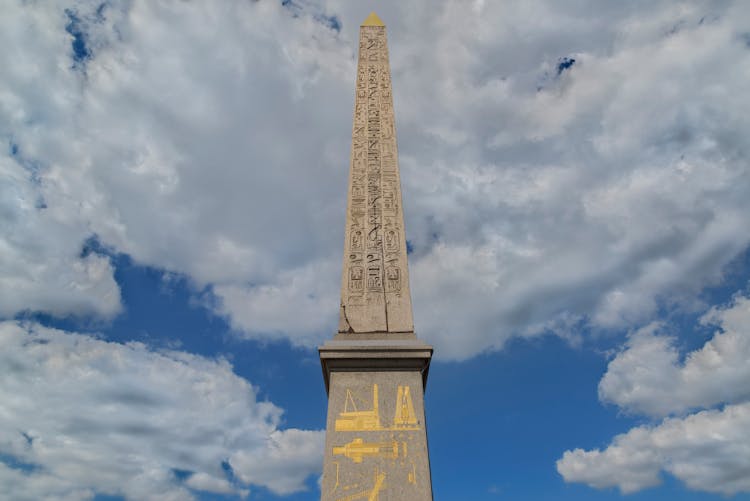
393	275
367	441
356	282
375	247
374	212
356	239
391	240
358	190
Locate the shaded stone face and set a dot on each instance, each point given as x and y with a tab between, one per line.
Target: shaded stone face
375	293
376	442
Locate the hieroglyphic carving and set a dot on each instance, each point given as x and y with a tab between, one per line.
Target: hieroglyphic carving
357	450
352	419
366	440
374	212
391	240
412	476
356	279
357	194
370	494
375	243
393	279
405	418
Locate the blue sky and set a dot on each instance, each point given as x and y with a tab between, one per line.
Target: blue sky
576	190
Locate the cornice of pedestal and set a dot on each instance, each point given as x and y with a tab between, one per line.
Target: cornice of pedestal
386	353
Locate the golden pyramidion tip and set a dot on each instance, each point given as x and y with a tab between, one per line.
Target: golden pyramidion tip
372	20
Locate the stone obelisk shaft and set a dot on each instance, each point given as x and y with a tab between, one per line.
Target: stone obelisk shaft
375	283
375	368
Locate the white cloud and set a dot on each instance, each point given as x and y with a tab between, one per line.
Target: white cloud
168	147
595	198
214	142
86	416
648	377
709	450
42	266
205	482
296	305
296	453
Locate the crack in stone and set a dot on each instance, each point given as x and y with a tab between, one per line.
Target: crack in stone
344	325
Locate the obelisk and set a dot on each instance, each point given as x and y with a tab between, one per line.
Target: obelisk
375	368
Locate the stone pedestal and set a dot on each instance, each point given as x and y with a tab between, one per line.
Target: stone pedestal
376	440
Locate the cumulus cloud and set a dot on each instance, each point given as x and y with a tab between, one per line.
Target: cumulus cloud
298	295
192	149
710	449
41	265
649	378
558	170
82	416
288	458
707	450
591	194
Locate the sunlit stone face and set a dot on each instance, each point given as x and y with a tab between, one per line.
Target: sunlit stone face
375	282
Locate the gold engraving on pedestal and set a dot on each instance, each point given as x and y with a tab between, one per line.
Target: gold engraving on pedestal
356	420
335	486
405	418
412	477
369	494
375	442
358	449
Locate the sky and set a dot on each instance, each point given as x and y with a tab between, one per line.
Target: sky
576	197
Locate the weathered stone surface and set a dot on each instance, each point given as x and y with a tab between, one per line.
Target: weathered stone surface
375	293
